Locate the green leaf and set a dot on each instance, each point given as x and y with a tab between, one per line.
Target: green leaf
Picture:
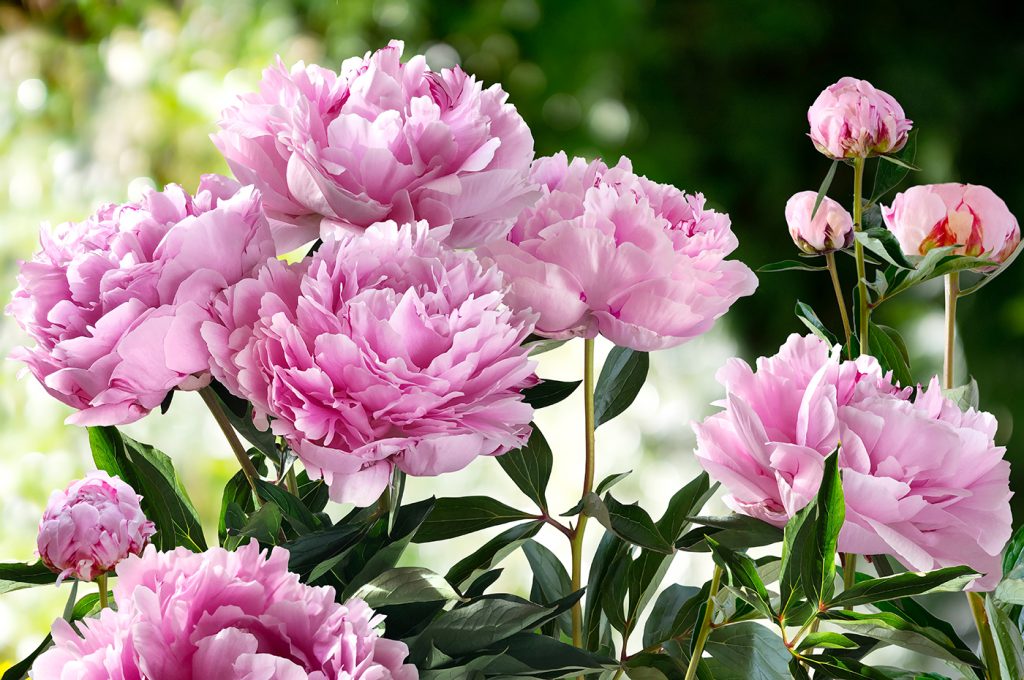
906	584
549	392
796	537
453	517
743	573
239	412
749	650
823	189
264	525
889	175
530	467
825	640
1009	646
606	483
238	494
307	552
935	263
811	320
622	376
17	575
966	396
735	531
551	579
649	666
643	578
667	607
851	669
606	558
818	565
527	655
788	266
406	585
885	245
491	553
988	277
379	558
313	492
629	522
683	505
292	509
888	347
1013	552
151	474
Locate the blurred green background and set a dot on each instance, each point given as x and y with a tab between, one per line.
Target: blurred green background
100	99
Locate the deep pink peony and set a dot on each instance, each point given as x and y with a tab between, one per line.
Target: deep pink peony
222	615
937	215
383	349
923	480
115	303
382	140
852	119
607	252
90	526
830	230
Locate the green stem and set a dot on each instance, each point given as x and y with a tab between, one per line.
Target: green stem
952	292
858	250
830	261
588	487
988	643
101	583
248	469
849	572
291	482
705	625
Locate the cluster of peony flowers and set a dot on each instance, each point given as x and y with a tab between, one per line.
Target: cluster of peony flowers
924	481
607	252
115	303
381	140
936	215
825	231
853	119
240	615
89	527
380	350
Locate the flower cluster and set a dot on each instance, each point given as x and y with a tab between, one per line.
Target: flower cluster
90	526
221	614
115	303
923	480
381	350
381	140
607	252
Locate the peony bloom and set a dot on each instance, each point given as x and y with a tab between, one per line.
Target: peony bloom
380	141
937	215
89	527
382	349
607	252
852	119
115	303
831	228
923	480
231	615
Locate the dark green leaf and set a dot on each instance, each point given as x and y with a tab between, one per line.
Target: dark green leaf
526	655
648	666
818	564
380	557
750	650
905	584
313	492
743	573
551	578
309	551
1013	552
406	585
609	552
1009	647
823	189
453	517
667	607
264	525
605	484
889	175
629	522
737	532
683	505
885	245
788	266
239	412
492	552
530	467
796	537
17	575
238	494
622	376
987	277
888	347
294	512
549	392
825	640
811	320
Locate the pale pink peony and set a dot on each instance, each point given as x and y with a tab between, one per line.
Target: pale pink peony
937	215
222	615
607	252
380	141
852	119
383	349
923	480
90	526
830	230
115	303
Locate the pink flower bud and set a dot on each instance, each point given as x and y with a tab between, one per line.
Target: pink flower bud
852	119
966	215
91	526
831	228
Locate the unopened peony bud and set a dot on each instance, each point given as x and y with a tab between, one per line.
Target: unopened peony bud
852	119
91	526
969	216
831	228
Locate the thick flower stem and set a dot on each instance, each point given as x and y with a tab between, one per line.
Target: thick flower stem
588	487
705	625
248	469
858	250
830	261
988	643
101	583
952	292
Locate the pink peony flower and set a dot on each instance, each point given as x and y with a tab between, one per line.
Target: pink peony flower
230	615
380	141
115	303
924	482
89	527
852	119
830	230
937	215
382	349
607	252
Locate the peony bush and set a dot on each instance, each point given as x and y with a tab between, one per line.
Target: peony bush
430	255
